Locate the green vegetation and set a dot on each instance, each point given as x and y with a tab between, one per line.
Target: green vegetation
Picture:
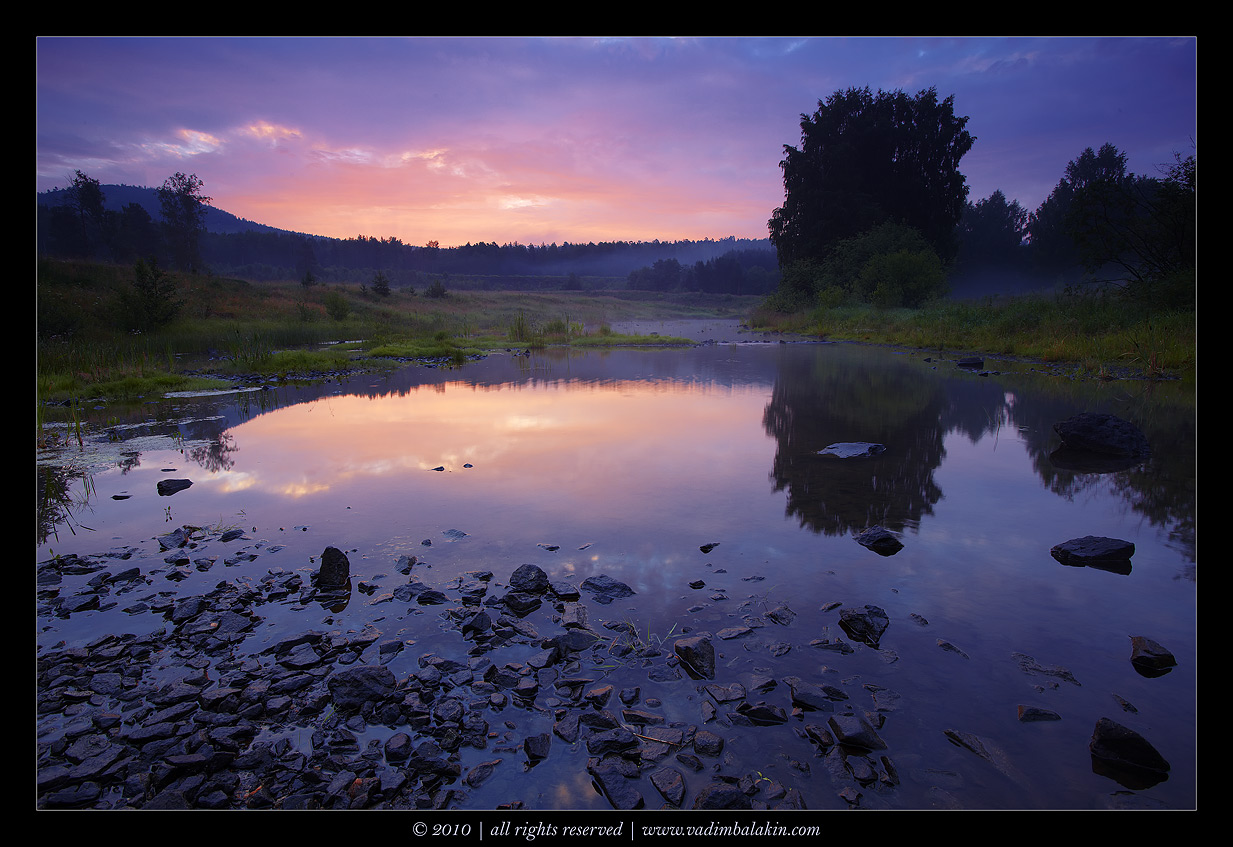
1100	334
127	332
876	227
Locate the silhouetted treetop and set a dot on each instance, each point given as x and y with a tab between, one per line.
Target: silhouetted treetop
867	159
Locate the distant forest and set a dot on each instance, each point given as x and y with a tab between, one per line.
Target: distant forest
128	227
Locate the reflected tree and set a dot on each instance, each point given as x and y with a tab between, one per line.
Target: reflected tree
835	396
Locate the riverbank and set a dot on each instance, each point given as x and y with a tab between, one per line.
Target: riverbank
1094	337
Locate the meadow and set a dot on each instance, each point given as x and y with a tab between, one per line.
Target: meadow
100	336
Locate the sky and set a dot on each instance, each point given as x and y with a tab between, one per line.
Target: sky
571	139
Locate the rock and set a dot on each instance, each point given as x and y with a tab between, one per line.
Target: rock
762	714
866	625
670	783
618	787
352	687
335	569
853	450
855	731
697	655
167	487
707	743
536	746
530	579
807	695
880	541
1094	551
722	795
174	540
1128	756
1030	665
1103	433
606	589
521	603
1028	714
725	693
1149	658
398	747
618	740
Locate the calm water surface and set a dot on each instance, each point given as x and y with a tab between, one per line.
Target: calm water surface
626	462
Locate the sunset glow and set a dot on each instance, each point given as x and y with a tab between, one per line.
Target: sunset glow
552	140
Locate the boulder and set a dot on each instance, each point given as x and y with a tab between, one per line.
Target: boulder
1095	551
1127	756
1103	433
529	579
335	569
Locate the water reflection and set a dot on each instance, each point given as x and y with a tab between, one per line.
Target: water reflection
836	395
632	463
842	393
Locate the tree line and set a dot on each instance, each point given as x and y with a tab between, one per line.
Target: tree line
876	211
83	227
735	272
76	223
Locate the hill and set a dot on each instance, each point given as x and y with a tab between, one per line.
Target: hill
234	246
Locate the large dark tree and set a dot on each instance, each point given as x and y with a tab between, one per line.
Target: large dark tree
991	231
184	211
1051	227
869	159
1134	231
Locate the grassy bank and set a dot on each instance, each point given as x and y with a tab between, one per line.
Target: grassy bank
1100	336
91	343
91	347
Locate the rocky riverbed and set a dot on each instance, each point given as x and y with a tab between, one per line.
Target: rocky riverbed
203	713
188	717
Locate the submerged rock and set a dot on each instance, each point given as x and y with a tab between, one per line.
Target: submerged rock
853	450
866	625
1104	434
605	589
880	540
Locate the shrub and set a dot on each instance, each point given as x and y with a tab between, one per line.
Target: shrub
903	278
156	302
336	305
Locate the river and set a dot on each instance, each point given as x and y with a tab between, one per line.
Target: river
694	476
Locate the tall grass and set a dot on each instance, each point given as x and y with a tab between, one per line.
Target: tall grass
1093	332
88	348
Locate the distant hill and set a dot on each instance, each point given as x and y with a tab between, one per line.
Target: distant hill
116	197
253	251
